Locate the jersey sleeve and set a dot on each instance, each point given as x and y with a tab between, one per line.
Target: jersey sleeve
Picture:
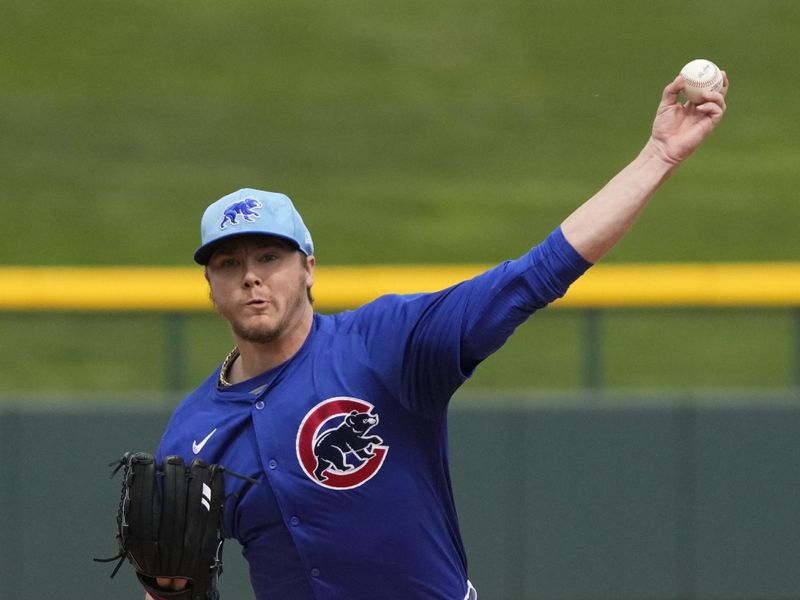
512	292
437	340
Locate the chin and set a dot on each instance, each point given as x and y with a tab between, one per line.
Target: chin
258	333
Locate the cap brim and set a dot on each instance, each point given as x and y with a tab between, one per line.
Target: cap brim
203	253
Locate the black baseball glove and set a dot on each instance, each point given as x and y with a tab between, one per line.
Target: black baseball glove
169	524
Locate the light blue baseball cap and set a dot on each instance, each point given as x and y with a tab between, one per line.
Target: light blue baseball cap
247	212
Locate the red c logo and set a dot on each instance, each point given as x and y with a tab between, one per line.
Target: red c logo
343	456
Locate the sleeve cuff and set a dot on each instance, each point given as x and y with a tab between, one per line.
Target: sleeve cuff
571	259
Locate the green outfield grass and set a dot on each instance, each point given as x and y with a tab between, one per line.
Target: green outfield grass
406	132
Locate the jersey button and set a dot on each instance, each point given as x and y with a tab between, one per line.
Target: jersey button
315	572
273	464
295	521
260	405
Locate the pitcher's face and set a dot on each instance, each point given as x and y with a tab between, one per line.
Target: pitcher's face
259	285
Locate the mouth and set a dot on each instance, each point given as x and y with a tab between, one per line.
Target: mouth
256	302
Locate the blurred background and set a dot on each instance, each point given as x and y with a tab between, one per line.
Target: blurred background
629	452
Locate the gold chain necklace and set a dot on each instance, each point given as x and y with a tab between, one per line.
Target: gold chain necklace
226	367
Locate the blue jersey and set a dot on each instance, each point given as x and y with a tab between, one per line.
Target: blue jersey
348	438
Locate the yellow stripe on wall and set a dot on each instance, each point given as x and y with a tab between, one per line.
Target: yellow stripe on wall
735	284
336	287
102	288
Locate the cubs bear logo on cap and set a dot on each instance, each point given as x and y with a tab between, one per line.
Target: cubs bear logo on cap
240	208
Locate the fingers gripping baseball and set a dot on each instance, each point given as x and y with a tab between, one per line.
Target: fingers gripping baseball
679	128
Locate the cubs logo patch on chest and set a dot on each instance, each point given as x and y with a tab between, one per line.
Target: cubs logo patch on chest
337	446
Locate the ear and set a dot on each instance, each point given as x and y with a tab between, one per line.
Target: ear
311	263
353	413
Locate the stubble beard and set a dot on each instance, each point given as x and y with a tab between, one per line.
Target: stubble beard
264	333
260	334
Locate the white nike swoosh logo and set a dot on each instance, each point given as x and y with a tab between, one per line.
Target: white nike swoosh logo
197	447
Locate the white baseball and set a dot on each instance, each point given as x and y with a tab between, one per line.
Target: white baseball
700	76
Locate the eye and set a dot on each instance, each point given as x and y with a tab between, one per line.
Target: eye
224	262
268	257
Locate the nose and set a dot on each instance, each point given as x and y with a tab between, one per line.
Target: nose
251	278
